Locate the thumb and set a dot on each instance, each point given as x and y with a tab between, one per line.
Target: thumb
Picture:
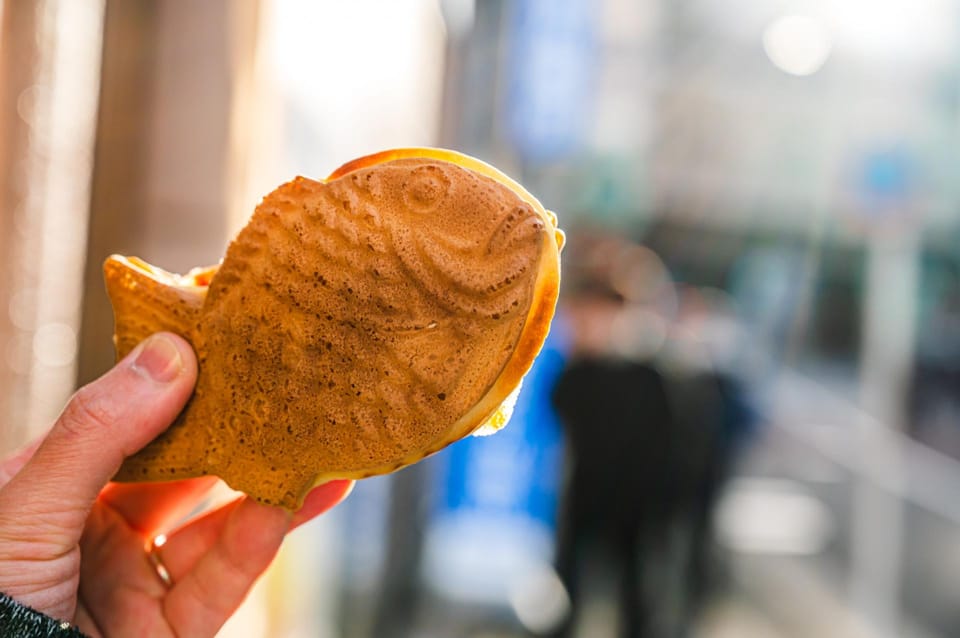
103	423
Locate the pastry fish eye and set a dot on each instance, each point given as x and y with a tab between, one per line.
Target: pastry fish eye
426	188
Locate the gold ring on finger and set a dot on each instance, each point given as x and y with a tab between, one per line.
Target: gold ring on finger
156	561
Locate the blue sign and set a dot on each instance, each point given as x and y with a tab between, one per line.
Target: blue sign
552	60
495	509
517	470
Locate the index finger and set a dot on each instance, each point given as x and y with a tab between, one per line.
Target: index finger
150	508
320	499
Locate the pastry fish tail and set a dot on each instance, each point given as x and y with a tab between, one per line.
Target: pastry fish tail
147	299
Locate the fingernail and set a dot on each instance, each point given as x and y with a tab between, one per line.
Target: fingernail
159	359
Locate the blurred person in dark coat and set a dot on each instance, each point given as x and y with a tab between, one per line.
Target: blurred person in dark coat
645	426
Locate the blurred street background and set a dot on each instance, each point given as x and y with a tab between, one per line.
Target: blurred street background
746	420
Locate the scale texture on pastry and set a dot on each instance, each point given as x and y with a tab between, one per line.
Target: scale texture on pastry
354	326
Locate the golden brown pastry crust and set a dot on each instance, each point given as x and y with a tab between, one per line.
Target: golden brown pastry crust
354	326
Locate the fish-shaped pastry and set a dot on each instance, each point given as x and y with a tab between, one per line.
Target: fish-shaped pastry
354	326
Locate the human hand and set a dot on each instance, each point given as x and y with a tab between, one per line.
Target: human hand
72	545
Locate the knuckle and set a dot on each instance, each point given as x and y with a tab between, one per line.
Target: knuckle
233	563
87	412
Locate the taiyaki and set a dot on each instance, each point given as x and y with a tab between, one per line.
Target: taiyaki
356	325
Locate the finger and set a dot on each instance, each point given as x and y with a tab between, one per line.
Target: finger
202	600
116	574
320	499
151	508
183	548
104	422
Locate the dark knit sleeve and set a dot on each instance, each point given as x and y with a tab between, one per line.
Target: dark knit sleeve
19	621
